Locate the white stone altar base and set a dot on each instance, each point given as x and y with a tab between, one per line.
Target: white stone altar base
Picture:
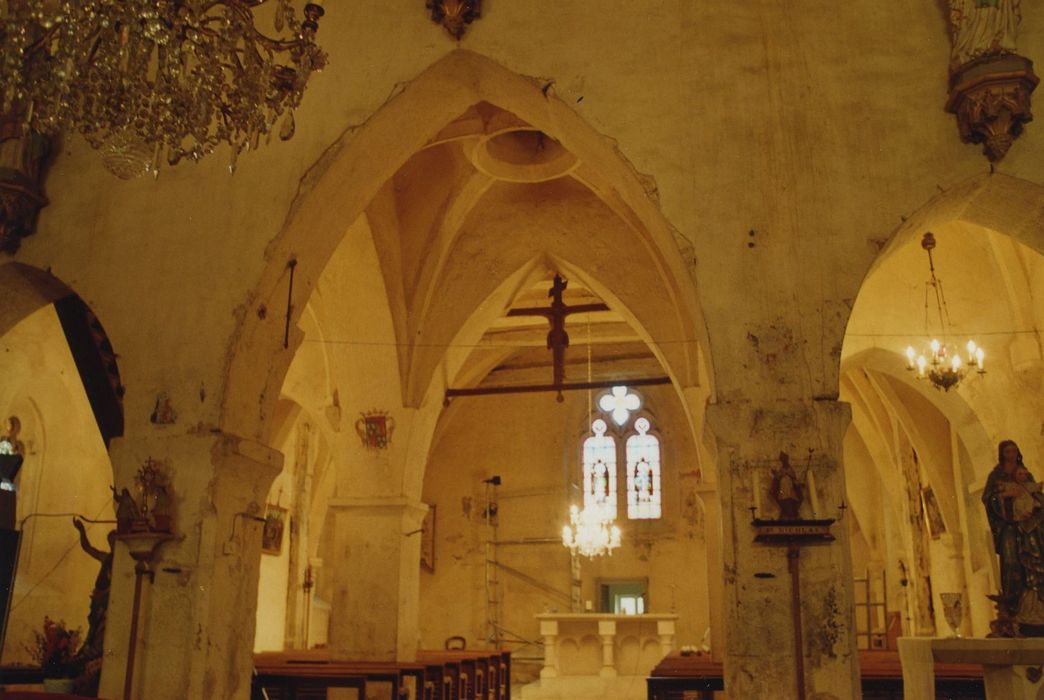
597	655
1004	663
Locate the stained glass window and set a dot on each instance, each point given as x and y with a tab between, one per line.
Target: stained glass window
600	469
643	473
619	402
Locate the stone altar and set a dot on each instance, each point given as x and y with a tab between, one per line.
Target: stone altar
1000	659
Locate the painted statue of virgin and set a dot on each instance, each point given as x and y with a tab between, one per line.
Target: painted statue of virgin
983	28
1015	510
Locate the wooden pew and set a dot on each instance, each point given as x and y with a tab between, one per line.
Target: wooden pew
457	665
316	669
294	684
436	675
485	674
678	676
881	678
445	676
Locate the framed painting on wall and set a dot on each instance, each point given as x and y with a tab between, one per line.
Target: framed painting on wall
272	536
428	540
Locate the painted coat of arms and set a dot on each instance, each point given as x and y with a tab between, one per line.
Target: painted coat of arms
375	429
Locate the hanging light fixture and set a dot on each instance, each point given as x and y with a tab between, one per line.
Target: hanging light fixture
940	361
590	532
145	80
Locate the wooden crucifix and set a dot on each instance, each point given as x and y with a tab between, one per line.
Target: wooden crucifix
557	337
557	342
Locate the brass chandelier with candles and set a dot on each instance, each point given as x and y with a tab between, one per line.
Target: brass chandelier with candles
151	81
941	361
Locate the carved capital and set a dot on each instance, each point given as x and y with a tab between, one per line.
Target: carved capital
22	159
991	98
455	15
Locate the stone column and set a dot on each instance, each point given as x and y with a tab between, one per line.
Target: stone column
196	619
760	659
376	578
607	633
549	631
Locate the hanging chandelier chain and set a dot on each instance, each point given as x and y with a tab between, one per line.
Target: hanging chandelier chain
934	288
590	407
942	364
928	243
944	310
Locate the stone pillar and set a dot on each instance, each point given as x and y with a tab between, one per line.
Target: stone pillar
760	658
376	578
607	633
549	631
196	619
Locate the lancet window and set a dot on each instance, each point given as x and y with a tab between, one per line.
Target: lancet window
600	470
630	444
643	473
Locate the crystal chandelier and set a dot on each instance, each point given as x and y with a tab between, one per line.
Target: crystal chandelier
941	362
152	80
590	533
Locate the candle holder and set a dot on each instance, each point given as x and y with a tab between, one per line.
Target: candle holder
143	525
791	530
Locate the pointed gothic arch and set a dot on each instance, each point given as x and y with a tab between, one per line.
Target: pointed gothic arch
350	178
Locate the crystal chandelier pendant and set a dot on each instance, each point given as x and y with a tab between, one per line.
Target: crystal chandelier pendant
591	533
940	362
126	156
137	77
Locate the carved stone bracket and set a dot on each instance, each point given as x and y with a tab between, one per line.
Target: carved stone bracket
22	160
455	15
991	98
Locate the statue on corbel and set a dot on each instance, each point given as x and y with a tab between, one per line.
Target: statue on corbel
23	159
990	83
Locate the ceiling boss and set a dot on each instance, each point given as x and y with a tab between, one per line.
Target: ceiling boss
152	80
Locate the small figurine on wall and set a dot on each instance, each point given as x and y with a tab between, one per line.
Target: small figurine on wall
127	512
163	412
12	452
162	509
272	535
786	490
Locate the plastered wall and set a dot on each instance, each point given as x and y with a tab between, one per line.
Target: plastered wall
66	470
533	444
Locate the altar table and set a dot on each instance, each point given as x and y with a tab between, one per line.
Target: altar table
998	657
